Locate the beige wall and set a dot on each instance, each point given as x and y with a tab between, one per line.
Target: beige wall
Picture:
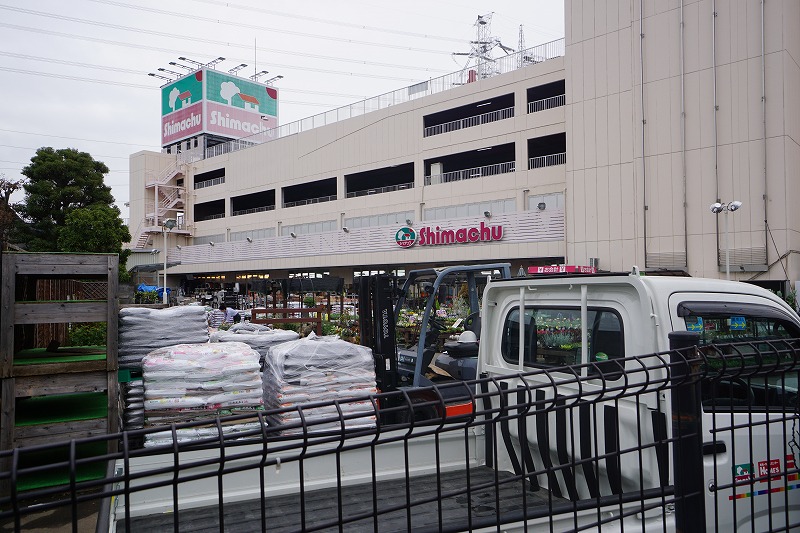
621	210
391	136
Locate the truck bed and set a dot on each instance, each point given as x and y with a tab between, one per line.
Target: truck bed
283	513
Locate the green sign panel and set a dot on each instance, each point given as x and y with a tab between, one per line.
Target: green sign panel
182	93
237	92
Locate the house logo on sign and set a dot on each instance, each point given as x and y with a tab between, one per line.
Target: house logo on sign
405	237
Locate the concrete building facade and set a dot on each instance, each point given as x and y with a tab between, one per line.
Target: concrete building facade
606	148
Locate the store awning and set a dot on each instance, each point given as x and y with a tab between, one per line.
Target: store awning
153	267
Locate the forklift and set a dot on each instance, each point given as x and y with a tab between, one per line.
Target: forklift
432	380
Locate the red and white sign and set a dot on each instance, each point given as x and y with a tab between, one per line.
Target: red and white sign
183	123
561	269
235	122
771	467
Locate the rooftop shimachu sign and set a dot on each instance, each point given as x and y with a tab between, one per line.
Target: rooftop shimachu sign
208	101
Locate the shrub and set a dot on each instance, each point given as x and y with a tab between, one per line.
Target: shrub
89	334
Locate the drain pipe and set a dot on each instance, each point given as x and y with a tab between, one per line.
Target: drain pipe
716	108
683	149
764	117
644	122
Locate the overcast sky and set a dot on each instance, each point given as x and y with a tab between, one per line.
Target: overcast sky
75	73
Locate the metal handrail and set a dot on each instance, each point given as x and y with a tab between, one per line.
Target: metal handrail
475	120
469	173
310	201
546	103
509	63
547	160
165	175
210	217
253	210
209	183
379	190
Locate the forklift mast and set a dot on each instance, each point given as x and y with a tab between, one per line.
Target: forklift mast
376	323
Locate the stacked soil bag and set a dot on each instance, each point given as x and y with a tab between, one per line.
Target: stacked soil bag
319	369
258	336
142	330
186	383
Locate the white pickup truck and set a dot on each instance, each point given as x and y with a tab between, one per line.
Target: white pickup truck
582	418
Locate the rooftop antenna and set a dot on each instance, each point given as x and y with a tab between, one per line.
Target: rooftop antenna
255	76
237	68
521	47
481	49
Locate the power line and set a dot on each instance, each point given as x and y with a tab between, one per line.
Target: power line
208	19
77	138
337	23
36	148
172	51
143	72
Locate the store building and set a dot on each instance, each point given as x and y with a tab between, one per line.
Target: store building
539	163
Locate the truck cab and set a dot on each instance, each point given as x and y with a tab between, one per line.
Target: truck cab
591	326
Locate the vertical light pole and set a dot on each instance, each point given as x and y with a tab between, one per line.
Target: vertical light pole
168	225
729	207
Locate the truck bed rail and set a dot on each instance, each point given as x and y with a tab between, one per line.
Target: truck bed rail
552	449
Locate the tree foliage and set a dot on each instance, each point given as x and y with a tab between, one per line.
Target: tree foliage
95	229
59	182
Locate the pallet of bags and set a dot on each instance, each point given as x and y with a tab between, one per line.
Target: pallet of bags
198	382
320	369
260	337
142	330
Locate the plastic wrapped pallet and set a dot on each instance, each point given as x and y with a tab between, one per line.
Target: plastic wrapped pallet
259	337
142	330
319	369
196	382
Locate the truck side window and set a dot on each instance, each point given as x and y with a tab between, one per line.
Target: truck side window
552	338
765	329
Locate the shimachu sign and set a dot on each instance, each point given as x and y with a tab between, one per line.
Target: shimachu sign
407	237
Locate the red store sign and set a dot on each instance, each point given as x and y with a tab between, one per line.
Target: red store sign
561	269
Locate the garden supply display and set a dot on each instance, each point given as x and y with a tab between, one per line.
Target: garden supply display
258	336
319	369
187	383
142	330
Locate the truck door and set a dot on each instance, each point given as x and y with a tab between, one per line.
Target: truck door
749	418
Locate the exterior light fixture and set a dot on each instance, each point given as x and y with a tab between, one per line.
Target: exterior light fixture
345	229
409	222
179	247
249	239
541	206
211	243
293	234
717	208
487	214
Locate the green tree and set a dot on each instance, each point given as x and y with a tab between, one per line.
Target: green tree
59	182
8	217
97	229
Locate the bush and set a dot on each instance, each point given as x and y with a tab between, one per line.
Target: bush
309	301
150	297
90	334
